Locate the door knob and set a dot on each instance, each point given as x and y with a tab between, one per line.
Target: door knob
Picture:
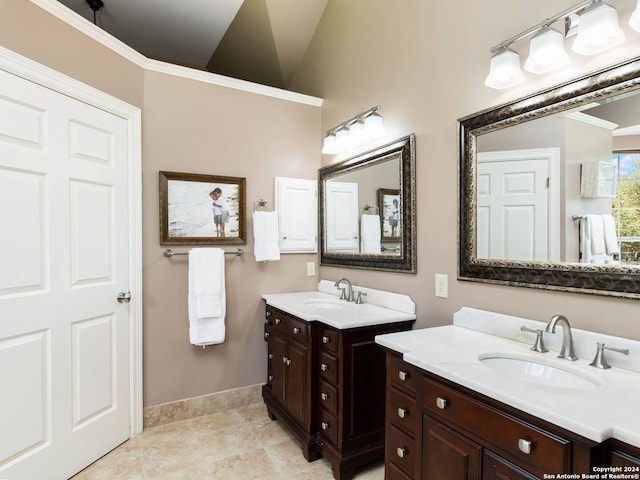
124	297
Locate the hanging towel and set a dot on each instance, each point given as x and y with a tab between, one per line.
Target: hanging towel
610	235
592	246
265	236
370	234
206	300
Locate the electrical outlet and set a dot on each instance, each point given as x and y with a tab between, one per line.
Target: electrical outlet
442	285
311	269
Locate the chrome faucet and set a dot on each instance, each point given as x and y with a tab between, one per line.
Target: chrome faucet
567	351
346	294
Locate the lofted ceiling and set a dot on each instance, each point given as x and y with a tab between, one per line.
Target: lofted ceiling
262	41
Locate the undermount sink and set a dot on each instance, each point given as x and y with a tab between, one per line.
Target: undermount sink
326	304
539	371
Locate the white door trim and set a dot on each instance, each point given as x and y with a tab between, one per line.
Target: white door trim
23	67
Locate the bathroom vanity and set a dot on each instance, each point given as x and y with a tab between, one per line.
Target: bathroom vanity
449	416
326	375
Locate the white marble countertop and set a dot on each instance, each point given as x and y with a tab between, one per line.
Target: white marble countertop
324	306
607	409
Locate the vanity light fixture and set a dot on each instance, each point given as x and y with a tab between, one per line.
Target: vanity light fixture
597	29
355	131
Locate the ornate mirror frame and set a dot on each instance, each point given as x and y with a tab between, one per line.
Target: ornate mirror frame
406	261
610	280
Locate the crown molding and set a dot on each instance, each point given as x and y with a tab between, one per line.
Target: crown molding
76	21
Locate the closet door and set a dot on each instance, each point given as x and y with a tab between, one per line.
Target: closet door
343	233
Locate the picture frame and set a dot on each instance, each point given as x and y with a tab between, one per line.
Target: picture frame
390	208
188	215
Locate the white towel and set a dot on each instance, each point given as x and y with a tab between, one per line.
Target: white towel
592	246
370	234
265	236
206	300
610	235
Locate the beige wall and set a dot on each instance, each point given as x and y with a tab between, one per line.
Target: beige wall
425	63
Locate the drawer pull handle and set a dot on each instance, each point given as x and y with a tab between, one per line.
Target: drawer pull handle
268	314
278	321
270	356
524	446
402	412
401	452
324	425
296	330
324	396
266	335
270	377
324	367
325	339
441	403
403	375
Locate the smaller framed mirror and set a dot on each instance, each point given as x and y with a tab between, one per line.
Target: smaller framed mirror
367	209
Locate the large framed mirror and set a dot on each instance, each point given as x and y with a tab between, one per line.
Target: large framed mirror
367	209
539	174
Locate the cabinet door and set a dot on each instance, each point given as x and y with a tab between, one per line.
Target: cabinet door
343	234
278	368
496	468
297	206
296	380
447	455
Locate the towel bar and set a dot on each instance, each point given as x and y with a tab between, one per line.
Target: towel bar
369	207
170	253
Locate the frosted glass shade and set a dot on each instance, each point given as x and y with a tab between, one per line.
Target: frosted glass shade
634	21
329	146
373	126
505	70
598	30
342	139
546	52
357	134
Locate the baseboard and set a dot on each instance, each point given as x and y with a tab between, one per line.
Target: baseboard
170	412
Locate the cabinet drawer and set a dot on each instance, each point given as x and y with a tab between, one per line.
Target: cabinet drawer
296	329
329	367
328	426
329	397
268	333
546	451
401	450
329	340
404	412
392	472
403	375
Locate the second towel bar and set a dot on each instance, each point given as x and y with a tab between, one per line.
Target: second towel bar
170	253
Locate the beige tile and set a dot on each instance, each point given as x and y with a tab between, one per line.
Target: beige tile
257	465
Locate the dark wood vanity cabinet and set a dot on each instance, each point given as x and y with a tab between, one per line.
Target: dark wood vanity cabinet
327	386
437	430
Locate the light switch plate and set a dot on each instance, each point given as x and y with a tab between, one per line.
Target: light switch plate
442	285
311	269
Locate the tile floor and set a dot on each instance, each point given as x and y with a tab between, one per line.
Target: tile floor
237	444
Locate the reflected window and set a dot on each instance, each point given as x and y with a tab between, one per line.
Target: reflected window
626	205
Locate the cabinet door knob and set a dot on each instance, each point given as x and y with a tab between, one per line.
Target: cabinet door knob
324	396
278	321
324	367
401	452
441	403
270	377
524	446
268	314
266	335
270	356
403	375
402	412
325	339
296	330
284	359
324	425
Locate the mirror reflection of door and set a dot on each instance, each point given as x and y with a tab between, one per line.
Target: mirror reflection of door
342	217
514	201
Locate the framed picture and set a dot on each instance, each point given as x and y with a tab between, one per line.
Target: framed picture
389	206
201	209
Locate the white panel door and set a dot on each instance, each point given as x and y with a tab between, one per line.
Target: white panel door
297	206
64	338
512	210
343	234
